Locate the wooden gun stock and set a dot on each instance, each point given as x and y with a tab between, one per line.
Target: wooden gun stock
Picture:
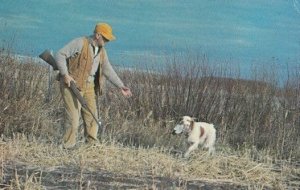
48	58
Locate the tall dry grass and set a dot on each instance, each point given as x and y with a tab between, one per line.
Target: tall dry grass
248	113
254	113
255	117
23	93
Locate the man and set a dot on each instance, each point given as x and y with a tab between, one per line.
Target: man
84	61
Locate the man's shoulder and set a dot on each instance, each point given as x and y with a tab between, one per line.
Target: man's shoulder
77	42
80	39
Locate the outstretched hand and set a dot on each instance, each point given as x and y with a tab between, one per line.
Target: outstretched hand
126	92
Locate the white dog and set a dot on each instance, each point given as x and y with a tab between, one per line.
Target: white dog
198	133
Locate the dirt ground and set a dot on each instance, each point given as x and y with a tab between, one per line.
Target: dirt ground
61	178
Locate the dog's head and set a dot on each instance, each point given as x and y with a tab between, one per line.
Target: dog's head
185	126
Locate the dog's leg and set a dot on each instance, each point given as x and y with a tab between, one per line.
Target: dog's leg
191	148
211	147
211	150
210	142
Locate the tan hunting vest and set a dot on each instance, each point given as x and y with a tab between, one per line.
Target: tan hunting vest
80	66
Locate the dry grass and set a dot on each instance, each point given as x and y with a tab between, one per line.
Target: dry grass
224	167
257	123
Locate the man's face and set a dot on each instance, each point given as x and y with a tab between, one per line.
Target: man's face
100	40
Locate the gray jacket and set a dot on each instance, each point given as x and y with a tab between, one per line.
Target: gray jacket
74	47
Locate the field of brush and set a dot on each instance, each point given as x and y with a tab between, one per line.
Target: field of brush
258	127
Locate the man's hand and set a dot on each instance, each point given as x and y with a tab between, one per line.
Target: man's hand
126	92
68	79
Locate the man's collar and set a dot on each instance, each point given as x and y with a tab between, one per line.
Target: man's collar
90	39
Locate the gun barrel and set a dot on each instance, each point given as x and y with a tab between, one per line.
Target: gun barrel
82	101
78	95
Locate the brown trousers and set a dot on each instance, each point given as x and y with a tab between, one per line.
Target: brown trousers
73	110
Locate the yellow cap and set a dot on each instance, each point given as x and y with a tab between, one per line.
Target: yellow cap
105	30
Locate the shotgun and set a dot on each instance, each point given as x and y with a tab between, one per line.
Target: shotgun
48	58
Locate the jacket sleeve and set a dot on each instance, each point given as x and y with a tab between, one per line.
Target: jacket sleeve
67	51
110	73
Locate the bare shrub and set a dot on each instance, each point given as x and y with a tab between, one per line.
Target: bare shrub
250	113
23	92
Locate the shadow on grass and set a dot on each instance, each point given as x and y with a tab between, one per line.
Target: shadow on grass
74	178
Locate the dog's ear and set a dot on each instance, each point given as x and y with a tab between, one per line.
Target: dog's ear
181	118
192	124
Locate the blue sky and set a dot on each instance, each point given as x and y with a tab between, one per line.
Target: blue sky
242	31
